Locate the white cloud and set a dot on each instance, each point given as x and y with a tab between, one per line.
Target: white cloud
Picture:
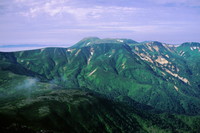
53	8
19	1
53	21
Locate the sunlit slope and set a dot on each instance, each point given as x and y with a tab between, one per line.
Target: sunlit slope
150	73
191	54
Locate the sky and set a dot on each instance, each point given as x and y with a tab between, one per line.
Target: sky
29	24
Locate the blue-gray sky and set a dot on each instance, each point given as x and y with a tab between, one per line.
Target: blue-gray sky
64	22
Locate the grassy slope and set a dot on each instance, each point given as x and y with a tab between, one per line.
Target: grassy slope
72	67
78	111
26	101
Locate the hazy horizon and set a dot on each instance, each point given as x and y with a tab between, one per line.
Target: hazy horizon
65	22
23	47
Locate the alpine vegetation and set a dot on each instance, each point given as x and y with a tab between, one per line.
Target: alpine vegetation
102	85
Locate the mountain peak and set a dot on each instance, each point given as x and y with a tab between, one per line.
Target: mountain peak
191	44
95	40
90	38
86	41
155	43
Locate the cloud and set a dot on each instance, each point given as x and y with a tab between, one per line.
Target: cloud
54	8
27	84
67	21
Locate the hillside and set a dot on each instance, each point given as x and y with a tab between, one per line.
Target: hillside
125	78
74	111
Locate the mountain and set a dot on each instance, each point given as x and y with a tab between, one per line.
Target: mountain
125	78
95	40
74	111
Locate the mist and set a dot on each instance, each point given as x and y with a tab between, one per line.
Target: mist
27	87
28	83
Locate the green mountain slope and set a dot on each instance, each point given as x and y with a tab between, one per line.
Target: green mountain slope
74	111
191	55
126	78
151	73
